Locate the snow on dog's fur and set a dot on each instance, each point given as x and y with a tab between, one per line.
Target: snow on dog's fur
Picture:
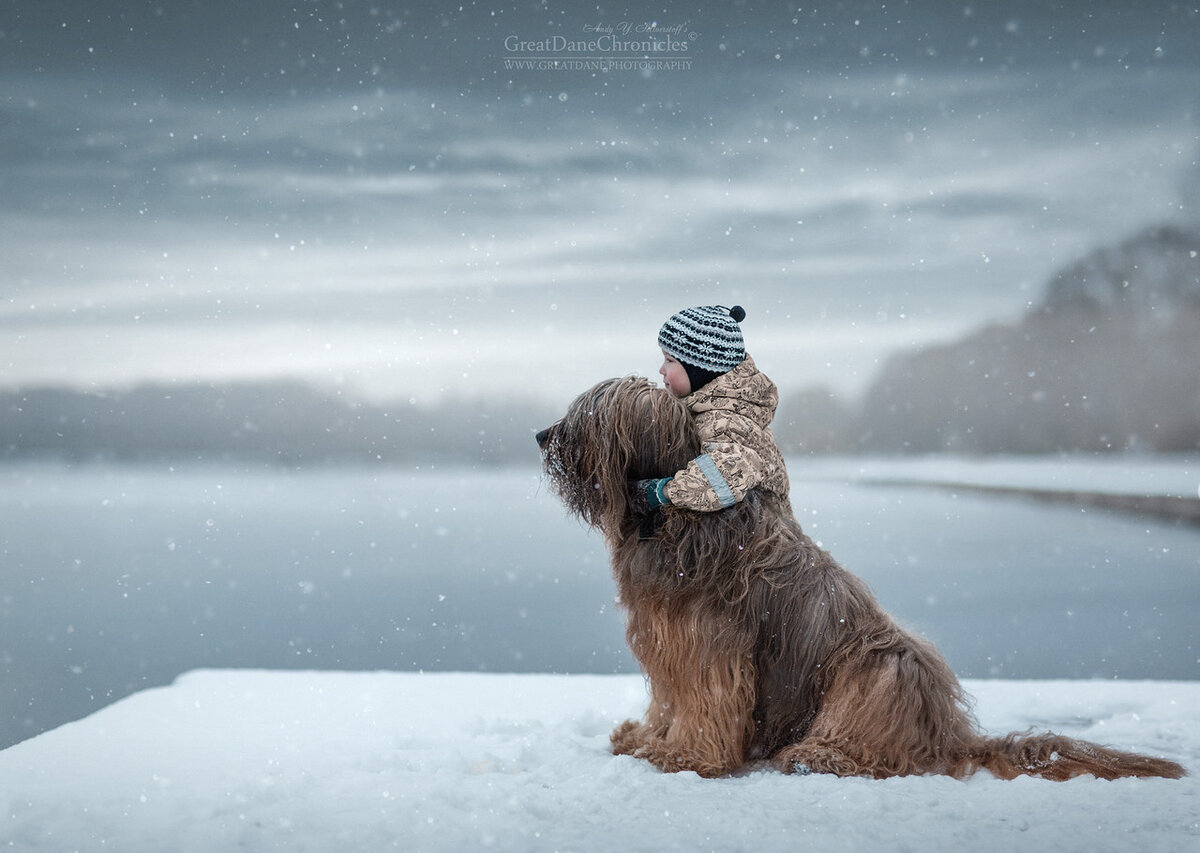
756	644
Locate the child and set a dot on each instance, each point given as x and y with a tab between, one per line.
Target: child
705	363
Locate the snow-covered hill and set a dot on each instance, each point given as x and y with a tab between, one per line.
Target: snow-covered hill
260	760
1106	361
1153	274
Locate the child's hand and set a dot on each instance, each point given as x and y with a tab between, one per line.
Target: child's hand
646	495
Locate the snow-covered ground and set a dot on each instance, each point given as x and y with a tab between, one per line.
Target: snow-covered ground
319	761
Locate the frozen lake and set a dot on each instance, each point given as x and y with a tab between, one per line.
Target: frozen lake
114	579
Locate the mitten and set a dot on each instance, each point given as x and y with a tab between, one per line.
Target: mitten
645	498
645	495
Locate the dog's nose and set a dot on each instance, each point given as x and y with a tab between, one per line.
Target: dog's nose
542	437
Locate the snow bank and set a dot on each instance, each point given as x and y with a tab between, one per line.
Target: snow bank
263	760
1166	475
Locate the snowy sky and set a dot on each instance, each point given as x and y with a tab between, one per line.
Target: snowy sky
365	196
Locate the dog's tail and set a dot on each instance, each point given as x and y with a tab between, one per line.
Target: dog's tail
1058	758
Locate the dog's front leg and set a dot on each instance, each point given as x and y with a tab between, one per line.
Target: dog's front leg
712	724
631	736
702	699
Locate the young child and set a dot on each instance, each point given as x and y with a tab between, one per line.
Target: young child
732	403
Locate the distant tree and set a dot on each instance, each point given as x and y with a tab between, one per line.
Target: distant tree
1107	361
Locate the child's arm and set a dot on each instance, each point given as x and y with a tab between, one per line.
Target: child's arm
718	479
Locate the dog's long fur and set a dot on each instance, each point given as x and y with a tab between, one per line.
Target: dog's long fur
757	645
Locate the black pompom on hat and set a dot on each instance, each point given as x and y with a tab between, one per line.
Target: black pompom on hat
706	340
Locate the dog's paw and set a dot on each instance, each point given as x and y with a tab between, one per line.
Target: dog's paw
671	759
627	738
806	759
661	756
791	763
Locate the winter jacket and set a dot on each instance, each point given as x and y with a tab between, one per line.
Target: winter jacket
732	414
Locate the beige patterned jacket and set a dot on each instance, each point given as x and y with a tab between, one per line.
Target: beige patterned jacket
733	414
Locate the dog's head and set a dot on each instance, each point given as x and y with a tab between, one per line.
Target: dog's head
618	432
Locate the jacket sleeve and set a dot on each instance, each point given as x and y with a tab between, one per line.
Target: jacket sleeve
718	479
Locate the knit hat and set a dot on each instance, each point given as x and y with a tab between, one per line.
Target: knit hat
706	340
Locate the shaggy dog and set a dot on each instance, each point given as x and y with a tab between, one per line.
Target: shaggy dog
757	645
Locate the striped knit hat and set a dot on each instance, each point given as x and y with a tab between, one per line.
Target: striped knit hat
706	340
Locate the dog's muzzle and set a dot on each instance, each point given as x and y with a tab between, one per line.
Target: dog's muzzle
542	438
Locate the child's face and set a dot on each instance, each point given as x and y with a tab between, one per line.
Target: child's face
675	377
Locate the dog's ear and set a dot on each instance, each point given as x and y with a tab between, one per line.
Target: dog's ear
663	435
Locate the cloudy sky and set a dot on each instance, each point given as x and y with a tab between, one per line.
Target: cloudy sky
375	196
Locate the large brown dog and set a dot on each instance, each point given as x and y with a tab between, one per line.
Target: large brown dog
756	644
